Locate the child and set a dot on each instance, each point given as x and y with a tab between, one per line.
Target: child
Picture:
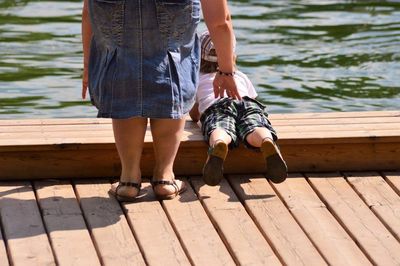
225	120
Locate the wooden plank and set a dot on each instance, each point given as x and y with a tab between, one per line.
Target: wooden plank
275	221
104	128
3	250
14	142
62	121
342	156
393	178
63	218
246	243
379	197
89	134
335	115
82	163
115	242
305	129
23	227
159	243
332	121
321	227
376	241
191	224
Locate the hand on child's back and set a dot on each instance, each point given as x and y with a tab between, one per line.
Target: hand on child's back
224	83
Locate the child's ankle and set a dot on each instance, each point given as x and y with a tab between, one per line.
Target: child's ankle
269	139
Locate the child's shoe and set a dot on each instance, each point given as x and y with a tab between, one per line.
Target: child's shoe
276	166
213	170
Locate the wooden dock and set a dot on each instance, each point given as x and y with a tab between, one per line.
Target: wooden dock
340	205
84	148
318	219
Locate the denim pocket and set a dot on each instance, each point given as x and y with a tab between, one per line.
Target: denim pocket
176	18
108	16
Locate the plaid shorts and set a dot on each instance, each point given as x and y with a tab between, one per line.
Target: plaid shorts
237	118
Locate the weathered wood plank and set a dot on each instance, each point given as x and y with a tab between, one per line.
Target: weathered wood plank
81	162
108	225
237	229
27	240
46	142
341	121
277	224
65	224
106	129
199	237
325	115
379	197
393	178
370	234
3	251
154	233
321	227
335	115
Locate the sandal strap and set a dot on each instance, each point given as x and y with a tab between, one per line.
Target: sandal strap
128	184
166	182
161	182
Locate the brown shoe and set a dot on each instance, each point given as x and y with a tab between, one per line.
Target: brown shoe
128	196
168	196
276	166
213	170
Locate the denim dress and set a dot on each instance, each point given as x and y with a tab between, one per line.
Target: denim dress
144	57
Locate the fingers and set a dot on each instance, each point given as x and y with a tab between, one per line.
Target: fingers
216	90
225	85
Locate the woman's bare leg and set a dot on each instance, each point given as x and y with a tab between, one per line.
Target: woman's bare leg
167	134
129	137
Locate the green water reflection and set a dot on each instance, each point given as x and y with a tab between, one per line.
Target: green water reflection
303	55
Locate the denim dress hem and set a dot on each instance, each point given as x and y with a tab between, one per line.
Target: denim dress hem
144	57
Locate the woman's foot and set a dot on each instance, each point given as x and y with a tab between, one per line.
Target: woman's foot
213	170
125	191
276	166
168	189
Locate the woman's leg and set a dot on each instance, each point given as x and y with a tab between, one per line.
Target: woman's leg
167	134
129	137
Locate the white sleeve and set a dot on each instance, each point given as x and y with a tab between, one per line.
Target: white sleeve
250	88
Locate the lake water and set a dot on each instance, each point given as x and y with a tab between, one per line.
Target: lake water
302	56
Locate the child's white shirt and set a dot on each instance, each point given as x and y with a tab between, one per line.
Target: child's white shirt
205	92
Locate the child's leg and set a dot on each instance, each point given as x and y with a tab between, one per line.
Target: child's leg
219	128
217	135
257	137
255	130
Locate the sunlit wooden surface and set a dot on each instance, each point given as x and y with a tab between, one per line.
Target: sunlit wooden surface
335	218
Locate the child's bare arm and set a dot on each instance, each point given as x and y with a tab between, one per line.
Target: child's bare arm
194	113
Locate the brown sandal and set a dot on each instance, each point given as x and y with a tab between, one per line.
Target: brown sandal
125	197
169	196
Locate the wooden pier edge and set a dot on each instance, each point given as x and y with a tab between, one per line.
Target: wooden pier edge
84	148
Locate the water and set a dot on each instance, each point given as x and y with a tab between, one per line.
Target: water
302	56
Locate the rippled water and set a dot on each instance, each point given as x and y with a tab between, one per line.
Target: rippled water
303	56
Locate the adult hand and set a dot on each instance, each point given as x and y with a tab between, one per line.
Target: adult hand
224	83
